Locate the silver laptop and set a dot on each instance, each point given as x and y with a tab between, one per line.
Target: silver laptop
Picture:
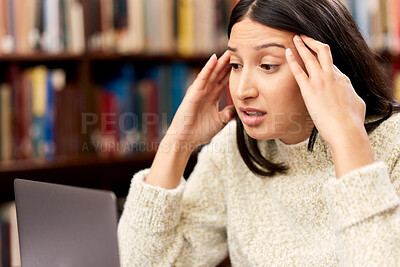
62	225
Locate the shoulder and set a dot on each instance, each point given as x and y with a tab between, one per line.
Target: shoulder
388	130
385	139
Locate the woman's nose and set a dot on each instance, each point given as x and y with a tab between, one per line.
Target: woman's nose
246	88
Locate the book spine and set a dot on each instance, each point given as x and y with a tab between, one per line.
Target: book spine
48	120
6	125
39	92
185	27
136	26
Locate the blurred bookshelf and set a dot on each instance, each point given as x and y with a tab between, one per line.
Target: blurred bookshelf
67	63
89	87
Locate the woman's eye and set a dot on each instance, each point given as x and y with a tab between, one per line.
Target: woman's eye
268	66
235	65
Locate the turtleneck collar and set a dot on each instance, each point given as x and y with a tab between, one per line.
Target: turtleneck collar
297	157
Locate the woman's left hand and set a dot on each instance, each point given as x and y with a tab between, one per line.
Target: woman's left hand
335	108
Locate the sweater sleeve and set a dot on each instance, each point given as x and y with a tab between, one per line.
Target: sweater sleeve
184	226
365	212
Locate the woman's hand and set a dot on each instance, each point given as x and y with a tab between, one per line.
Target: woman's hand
198	118
334	106
196	121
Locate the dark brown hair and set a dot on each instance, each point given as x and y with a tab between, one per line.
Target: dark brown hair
330	22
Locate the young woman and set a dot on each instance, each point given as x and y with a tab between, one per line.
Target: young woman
307	175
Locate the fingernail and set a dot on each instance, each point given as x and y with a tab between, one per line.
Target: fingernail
289	52
213	55
297	38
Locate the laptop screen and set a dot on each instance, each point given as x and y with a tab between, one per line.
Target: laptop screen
62	225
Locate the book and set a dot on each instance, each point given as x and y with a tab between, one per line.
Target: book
121	88
107	24
179	74
153	25
185	25
108	143
39	94
48	119
4	257
76	32
136	27
9	214
5	122
51	32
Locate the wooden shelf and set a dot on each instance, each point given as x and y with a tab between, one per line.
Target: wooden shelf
100	56
146	57
92	171
89	170
67	161
40	57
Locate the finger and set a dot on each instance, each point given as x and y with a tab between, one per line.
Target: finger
226	70
221	67
298	73
337	70
310	61
227	114
323	51
205	73
219	89
341	76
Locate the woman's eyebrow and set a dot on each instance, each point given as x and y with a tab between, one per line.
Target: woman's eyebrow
259	47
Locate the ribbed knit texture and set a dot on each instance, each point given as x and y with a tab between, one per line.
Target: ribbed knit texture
306	217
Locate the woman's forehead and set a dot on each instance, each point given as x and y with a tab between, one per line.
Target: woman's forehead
249	33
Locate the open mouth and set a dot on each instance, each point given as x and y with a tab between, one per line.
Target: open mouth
252	117
254	113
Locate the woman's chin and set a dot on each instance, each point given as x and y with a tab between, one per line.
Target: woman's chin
260	134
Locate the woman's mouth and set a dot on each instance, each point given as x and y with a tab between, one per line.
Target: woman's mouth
251	116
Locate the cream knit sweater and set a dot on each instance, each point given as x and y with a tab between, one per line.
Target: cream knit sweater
307	217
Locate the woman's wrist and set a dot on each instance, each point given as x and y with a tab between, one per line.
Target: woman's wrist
169	163
351	150
170	144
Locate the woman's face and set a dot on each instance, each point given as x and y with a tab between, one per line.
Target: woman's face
264	91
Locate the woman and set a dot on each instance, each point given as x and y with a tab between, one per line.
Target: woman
308	175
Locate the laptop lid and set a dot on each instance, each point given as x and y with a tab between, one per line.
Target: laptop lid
62	225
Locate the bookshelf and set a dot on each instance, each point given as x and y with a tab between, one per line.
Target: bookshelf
87	168
77	53
88	42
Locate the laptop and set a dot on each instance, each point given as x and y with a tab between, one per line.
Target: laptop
61	225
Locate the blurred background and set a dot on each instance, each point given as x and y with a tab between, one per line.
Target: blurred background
89	87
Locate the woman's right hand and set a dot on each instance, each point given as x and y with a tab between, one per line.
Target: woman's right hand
198	118
196	121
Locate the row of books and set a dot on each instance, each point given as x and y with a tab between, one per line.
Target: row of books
126	26
379	22
40	114
154	26
136	106
158	26
51	26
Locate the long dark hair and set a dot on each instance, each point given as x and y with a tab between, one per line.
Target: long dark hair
330	22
